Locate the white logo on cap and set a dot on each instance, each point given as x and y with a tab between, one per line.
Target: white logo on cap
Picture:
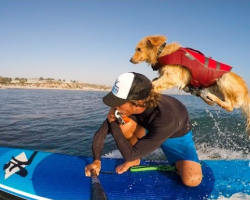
115	88
122	85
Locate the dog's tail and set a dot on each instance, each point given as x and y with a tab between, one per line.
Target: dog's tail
246	109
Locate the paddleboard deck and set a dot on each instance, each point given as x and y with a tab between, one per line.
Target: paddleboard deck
43	175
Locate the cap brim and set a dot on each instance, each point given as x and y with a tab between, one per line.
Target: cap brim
113	101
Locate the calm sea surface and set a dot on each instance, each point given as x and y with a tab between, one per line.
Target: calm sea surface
64	121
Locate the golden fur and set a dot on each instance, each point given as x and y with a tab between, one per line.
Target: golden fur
229	92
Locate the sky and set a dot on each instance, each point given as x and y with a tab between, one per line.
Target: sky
92	41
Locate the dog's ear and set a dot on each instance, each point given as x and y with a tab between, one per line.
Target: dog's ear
156	40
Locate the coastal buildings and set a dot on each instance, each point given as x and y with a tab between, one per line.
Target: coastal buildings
48	83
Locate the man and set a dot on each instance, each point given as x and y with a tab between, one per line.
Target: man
155	120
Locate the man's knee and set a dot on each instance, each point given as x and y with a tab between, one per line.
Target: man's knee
128	129
190	172
192	180
133	139
140	131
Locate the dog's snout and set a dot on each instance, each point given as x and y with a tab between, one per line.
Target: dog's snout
132	60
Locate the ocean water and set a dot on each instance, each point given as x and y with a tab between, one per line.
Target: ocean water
64	121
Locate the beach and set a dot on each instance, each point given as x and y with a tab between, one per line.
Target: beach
55	86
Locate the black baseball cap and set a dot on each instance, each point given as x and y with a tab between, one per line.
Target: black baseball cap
128	86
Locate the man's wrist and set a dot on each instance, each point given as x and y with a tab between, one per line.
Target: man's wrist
97	162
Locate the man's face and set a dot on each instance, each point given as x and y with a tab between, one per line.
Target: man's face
127	109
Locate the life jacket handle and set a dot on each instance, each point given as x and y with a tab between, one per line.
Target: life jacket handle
195	50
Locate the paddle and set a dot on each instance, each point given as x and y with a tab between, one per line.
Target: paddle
97	190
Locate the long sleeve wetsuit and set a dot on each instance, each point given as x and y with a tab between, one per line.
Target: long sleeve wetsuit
168	120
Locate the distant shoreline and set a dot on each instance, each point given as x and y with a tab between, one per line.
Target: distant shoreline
48	88
32	87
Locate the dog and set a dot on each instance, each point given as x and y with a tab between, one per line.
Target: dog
226	89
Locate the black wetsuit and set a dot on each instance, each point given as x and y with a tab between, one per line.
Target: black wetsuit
168	120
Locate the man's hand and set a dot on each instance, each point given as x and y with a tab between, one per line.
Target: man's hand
111	115
96	165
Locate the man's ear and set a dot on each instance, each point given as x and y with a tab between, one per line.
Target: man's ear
140	103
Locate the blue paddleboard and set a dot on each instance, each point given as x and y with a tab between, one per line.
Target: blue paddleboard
42	175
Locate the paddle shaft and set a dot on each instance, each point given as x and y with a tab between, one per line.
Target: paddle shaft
97	190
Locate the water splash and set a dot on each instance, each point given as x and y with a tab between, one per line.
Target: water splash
206	152
238	196
215	120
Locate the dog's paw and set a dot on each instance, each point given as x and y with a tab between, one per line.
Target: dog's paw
205	94
156	88
187	89
193	90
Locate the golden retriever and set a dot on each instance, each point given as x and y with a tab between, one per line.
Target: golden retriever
229	91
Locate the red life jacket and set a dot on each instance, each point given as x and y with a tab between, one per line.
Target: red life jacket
205	71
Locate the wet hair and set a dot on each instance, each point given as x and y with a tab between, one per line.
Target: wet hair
150	102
